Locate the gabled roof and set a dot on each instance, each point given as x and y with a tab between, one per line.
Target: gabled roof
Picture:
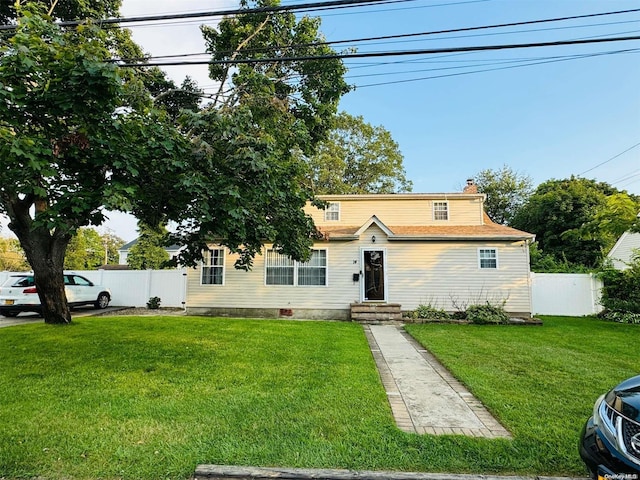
487	231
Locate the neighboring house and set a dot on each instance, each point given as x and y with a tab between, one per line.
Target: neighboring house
622	252
123	251
386	252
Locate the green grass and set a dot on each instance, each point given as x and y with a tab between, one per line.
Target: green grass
152	397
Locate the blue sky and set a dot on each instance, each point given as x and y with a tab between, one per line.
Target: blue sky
552	120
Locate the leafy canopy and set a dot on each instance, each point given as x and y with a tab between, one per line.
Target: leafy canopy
358	158
506	190
577	220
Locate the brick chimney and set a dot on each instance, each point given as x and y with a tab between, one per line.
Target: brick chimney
471	187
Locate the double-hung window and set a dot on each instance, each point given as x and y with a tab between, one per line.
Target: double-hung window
441	210
488	258
213	267
332	212
281	270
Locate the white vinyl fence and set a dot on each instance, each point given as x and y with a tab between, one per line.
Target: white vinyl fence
570	294
552	293
133	288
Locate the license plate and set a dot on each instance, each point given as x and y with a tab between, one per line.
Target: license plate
9	302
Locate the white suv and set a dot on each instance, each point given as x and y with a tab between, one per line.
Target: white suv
18	294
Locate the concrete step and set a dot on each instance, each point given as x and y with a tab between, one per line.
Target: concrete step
376	312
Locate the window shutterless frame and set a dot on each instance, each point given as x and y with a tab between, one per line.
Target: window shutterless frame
332	212
488	258
213	267
280	270
441	210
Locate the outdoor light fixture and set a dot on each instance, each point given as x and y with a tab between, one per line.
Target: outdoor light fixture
373	239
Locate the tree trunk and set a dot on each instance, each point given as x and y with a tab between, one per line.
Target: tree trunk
45	251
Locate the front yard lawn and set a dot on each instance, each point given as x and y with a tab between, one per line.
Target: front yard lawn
152	397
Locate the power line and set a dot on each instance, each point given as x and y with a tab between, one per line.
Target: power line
432	51
433	32
509	67
612	158
221	13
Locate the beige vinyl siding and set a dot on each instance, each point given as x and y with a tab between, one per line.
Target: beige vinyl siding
248	290
444	274
439	273
463	210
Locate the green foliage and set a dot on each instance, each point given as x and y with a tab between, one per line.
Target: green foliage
507	191
148	252
621	291
12	257
66	9
358	158
171	98
428	312
86	250
487	314
68	147
575	219
544	263
153	303
621	316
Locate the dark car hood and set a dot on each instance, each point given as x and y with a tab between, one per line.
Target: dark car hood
625	398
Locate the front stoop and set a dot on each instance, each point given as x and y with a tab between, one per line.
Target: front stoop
376	312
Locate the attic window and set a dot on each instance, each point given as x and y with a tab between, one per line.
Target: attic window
332	212
441	210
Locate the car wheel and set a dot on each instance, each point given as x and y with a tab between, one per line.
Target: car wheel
102	301
10	314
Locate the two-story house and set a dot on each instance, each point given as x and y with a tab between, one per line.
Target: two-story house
378	251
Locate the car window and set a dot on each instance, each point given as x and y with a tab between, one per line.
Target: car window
21	281
68	280
78	280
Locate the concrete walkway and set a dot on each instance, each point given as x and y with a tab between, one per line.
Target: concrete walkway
424	397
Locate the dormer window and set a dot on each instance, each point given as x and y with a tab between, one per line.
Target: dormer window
332	212
441	210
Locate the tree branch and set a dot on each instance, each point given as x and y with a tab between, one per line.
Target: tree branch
237	52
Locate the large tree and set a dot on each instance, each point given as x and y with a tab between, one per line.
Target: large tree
506	190
76	138
61	141
576	219
358	158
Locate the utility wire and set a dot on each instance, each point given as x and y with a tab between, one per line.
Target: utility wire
221	13
612	158
380	54
434	32
509	67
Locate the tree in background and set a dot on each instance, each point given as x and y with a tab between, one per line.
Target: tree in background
12	257
148	252
576	220
358	158
88	250
506	190
66	9
168	96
